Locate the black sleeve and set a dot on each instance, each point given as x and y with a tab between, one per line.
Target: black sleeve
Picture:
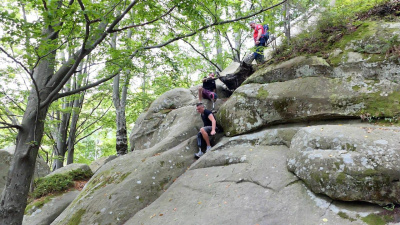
207	113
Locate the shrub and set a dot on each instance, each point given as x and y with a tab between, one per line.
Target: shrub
58	182
55	183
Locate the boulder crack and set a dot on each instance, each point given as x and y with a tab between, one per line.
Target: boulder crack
327	208
293	182
250	181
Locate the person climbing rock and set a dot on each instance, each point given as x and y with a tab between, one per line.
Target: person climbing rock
209	128
259	42
209	89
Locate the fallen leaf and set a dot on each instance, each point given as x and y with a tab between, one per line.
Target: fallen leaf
161	214
143	159
152	216
199	203
325	219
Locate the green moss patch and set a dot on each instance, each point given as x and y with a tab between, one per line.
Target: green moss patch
376	219
58	182
262	93
38	203
76	218
391	214
341	26
382	106
345	216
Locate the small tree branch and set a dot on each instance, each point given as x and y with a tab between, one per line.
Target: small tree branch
8	125
234	50
111	10
98	119
16	61
202	55
90	114
212	25
80	139
118	19
92	84
143	24
45	5
87	25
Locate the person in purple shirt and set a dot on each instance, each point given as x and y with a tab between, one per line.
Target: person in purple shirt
209	89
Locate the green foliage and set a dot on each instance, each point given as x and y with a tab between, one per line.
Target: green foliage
80	174
58	182
55	183
335	24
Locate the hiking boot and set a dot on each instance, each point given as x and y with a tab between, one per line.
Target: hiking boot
208	149
199	154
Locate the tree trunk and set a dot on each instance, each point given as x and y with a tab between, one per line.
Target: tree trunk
72	131
218	47
76	110
13	199
61	148
238	39
119	102
286	13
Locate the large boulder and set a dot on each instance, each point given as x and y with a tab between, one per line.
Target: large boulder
254	106
245	181
294	68
95	165
6	156
349	163
127	184
171	119
5	161
353	80
148	124
50	210
71	167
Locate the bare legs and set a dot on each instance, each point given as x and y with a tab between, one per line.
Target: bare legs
200	94
205	136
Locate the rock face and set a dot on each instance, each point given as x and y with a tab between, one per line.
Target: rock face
164	139
127	184
51	210
171	119
349	83
349	163
94	166
254	106
244	180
